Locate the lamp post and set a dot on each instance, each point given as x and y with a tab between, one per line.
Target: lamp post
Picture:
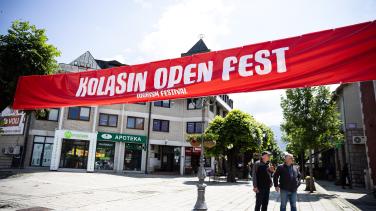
200	202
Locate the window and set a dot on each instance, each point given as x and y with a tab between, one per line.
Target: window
162	103
141	103
135	123
49	114
108	120
194	127
194	103
42	150
161	125
79	113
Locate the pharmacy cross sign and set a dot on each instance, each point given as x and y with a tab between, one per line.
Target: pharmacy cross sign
340	55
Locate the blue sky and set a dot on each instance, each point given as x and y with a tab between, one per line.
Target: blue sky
140	31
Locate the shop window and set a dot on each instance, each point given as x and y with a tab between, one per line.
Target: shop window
135	123
74	154
42	150
109	120
104	156
194	103
194	127
161	125
48	114
162	103
79	113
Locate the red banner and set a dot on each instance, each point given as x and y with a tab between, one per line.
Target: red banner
341	55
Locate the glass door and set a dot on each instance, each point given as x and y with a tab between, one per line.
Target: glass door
37	154
42	150
74	154
47	155
132	157
104	156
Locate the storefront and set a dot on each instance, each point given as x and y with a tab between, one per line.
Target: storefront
74	150
123	152
192	160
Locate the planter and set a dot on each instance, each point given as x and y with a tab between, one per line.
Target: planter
308	181
195	143
209	143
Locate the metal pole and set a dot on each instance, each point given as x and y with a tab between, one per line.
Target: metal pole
347	160
148	139
200	203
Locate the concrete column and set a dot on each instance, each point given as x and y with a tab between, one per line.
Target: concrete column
120	157
116	157
92	150
143	160
182	160
56	150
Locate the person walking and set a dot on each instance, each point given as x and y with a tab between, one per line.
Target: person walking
286	180
262	181
345	176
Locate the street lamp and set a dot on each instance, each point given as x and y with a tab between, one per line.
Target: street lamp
200	202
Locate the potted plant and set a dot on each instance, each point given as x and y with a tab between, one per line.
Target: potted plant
194	140
209	140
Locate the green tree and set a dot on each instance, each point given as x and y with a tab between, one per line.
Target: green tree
310	121
23	51
270	144
237	133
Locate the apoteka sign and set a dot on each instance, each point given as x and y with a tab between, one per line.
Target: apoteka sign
118	137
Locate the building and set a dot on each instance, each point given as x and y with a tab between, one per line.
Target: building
356	104
121	137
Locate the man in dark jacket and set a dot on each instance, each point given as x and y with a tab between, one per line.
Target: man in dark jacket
261	177
287	180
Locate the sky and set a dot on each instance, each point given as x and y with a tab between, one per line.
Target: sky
139	31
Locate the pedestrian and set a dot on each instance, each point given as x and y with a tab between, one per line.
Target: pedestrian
262	181
345	176
286	181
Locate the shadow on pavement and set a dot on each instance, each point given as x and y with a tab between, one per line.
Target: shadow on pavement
217	183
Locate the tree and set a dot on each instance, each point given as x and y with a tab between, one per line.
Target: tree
23	51
310	121
270	144
238	133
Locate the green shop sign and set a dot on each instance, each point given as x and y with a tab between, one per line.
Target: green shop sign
71	135
122	137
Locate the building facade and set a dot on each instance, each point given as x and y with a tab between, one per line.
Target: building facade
356	105
140	137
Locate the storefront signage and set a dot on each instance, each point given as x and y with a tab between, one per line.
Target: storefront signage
74	135
342	55
12	122
121	137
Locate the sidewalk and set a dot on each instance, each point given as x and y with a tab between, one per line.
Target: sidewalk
320	200
356	198
99	191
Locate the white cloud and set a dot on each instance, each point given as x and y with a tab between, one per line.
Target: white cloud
179	27
120	58
143	3
264	106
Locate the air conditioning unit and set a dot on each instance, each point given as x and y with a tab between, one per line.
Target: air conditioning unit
14	150
359	139
5	151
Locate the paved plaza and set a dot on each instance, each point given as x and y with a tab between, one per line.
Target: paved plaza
100	191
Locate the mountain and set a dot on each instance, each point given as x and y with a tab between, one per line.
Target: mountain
278	136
